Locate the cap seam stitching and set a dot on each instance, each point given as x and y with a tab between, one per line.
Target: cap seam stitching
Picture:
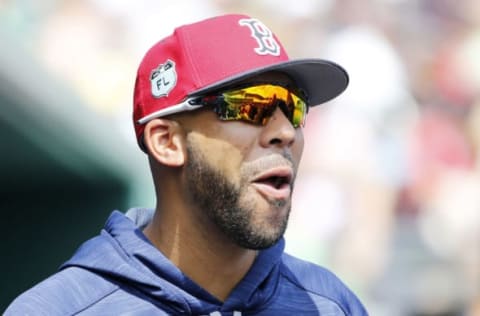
185	39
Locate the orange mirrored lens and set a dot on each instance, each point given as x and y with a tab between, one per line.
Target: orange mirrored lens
257	104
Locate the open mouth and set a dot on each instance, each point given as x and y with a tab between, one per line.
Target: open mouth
275	183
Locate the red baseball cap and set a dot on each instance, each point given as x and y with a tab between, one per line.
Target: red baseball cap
205	56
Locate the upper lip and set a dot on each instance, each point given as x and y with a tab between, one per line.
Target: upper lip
281	172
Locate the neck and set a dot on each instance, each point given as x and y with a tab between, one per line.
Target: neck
201	252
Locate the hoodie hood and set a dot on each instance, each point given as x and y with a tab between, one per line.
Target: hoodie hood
123	255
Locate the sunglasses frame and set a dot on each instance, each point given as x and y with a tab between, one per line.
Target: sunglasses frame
221	106
193	103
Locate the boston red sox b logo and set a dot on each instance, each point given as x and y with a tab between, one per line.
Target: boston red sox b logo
267	45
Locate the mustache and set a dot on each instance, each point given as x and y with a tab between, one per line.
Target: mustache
275	160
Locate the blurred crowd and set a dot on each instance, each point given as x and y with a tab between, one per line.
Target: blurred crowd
389	192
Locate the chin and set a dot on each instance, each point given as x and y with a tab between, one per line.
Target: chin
273	225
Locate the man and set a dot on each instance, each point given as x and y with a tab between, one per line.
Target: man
219	110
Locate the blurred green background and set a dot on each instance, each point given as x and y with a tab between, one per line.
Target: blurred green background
62	170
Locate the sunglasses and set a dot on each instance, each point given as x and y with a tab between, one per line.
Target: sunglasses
254	104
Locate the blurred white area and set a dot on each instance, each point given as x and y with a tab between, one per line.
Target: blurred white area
388	195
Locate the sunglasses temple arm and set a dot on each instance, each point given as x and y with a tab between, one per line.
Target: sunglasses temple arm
187	105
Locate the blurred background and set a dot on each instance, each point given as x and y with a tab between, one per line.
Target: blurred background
388	196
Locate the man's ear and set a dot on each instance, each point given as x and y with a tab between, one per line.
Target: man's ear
165	142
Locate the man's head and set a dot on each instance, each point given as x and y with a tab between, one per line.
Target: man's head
212	54
219	107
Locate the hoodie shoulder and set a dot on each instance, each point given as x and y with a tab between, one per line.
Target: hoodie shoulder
321	283
65	293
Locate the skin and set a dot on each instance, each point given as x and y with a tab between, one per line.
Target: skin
193	155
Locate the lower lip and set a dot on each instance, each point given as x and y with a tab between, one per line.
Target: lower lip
281	193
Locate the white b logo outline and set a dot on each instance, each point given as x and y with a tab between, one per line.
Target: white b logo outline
267	45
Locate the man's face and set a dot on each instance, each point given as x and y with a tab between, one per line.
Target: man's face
241	175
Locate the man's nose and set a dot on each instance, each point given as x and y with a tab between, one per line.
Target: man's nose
279	130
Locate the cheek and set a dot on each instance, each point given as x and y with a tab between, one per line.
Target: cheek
220	154
297	148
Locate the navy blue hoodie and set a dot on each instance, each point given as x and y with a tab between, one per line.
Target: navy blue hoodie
120	272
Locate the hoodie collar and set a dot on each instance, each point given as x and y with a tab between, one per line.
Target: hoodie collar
123	252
